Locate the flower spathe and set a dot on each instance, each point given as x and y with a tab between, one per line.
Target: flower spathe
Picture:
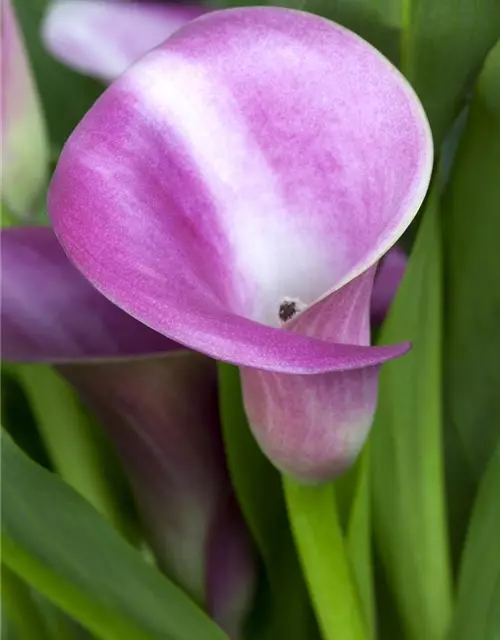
233	191
24	138
158	405
102	38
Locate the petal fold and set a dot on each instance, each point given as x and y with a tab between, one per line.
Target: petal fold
218	178
103	39
51	313
313	426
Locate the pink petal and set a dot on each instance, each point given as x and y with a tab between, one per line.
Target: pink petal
103	39
387	280
200	203
282	158
313	426
50	313
24	141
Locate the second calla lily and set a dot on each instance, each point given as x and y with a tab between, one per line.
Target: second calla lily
234	191
102	38
158	405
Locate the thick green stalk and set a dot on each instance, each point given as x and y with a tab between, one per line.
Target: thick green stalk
320	543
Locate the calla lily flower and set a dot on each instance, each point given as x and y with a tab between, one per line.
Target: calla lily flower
158	404
103	38
24	141
234	191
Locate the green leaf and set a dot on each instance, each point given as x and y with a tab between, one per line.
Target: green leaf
259	491
444	45
8	631
256	481
76	445
66	96
57	543
22	610
471	224
359	540
478	612
407	468
18	419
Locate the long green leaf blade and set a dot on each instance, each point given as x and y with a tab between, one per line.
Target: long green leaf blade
472	226
359	540
21	608
444	45
407	469
57	543
471	223
478	607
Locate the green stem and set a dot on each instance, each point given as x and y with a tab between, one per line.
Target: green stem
320	543
7	218
358	537
70	439
21	608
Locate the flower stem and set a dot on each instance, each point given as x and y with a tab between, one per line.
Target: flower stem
21	608
321	547
71	440
7	218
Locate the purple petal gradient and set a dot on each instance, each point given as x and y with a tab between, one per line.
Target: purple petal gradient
103	39
189	204
387	280
24	143
50	313
313	426
259	156
232	570
162	416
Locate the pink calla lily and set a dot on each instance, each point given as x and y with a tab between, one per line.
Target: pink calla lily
102	38
234	191
24	139
158	404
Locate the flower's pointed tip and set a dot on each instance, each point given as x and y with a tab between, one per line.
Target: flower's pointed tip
400	349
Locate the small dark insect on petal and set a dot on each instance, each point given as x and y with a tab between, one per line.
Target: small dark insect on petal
288	309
